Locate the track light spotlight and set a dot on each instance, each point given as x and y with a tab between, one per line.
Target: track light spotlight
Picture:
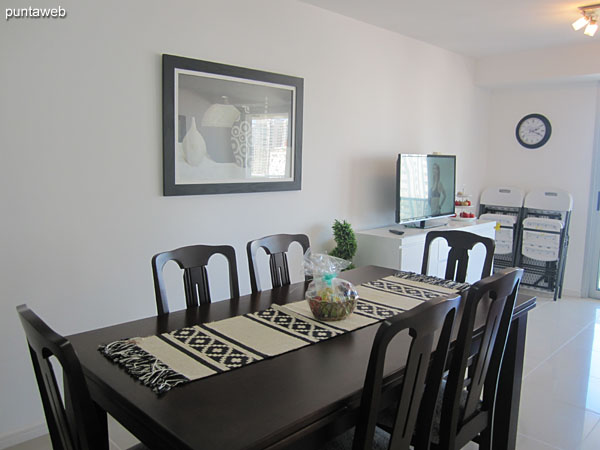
591	29
589	19
580	23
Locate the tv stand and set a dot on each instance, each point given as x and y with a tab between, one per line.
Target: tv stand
379	247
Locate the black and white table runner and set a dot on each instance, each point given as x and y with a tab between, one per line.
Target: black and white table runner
164	361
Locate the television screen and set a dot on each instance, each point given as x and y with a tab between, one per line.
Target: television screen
425	187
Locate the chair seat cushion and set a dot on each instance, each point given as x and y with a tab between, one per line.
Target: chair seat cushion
345	441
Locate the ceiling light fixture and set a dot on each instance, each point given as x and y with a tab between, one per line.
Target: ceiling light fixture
591	29
580	23
589	19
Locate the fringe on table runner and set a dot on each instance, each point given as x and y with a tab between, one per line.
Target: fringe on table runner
432	280
142	366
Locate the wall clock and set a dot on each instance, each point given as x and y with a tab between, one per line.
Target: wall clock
533	131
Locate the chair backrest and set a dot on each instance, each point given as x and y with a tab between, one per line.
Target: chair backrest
276	247
460	242
493	299
73	422
193	260
416	404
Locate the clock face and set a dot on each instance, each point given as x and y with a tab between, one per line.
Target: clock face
533	131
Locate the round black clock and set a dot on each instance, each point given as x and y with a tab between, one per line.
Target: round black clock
533	131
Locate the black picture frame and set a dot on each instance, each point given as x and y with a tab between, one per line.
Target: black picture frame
199	167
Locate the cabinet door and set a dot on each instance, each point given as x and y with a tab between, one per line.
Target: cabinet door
377	251
411	257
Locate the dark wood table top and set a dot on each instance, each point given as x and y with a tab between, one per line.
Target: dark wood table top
267	404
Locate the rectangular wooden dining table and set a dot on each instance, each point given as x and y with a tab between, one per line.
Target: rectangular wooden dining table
298	399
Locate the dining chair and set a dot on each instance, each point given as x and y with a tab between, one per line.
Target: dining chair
193	260
432	320
465	408
276	247
74	421
460	242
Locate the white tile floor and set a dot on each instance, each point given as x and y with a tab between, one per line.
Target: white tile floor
560	398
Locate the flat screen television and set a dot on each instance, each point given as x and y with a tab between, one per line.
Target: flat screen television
425	188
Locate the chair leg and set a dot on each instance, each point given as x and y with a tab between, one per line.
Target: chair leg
485	439
102	438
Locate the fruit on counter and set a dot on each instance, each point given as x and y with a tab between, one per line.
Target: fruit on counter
467	215
462	202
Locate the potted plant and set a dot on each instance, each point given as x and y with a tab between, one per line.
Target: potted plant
345	240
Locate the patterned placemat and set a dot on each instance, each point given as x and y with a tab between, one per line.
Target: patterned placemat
164	361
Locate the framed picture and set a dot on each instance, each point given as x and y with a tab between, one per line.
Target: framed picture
229	129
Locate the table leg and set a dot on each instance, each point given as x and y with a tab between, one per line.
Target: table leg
103	423
506	412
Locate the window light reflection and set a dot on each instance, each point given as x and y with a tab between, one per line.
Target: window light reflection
593	392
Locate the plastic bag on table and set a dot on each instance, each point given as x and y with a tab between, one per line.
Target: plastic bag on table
329	297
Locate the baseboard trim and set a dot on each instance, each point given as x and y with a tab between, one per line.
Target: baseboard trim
572	293
549	294
26	434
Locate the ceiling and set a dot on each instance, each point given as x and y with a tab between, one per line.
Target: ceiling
475	28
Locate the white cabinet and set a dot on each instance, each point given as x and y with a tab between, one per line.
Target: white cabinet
379	247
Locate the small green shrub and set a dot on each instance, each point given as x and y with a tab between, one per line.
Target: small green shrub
345	240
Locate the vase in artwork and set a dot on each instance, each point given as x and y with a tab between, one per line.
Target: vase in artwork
194	147
216	128
241	143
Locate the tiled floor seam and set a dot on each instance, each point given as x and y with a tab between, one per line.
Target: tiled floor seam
561	347
540	441
590	432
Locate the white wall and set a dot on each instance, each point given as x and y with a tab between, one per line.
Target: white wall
571	63
80	132
564	162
